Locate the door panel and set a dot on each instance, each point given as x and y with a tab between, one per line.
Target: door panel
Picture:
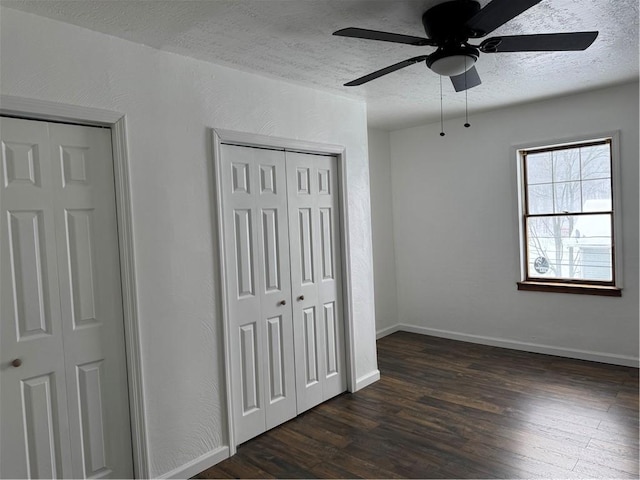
244	248
244	304
330	301
250	374
275	287
90	300
41	425
302	204
305	230
28	265
58	212
256	251
302	173
315	278
276	361
271	250
326	243
90	391
331	335
310	344
34	429
80	238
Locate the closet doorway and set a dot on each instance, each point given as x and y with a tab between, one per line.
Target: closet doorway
65	406
282	252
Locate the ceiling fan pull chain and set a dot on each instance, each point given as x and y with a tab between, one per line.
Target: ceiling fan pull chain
466	96
441	113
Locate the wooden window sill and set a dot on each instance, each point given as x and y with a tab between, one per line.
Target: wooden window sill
607	291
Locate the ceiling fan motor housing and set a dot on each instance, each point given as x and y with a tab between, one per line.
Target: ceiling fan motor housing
446	23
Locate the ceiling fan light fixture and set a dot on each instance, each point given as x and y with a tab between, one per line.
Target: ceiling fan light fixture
453	65
450	62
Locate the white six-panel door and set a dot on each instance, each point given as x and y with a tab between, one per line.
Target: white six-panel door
258	288
34	433
314	217
64	387
283	289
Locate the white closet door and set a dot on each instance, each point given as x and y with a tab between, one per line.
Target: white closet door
34	433
91	301
258	288
68	413
313	201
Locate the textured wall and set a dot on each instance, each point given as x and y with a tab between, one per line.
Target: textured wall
384	264
171	102
456	227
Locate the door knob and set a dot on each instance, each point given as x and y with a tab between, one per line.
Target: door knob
282	302
16	363
300	298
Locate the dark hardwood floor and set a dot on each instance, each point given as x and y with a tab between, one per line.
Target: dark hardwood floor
448	409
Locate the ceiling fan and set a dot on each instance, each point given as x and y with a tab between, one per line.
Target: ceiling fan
451	24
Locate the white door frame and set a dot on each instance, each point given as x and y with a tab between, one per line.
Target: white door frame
28	108
219	137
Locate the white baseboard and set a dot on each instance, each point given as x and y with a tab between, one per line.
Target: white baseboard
196	466
387	331
524	346
367	380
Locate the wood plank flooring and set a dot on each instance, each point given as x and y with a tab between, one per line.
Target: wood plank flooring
449	409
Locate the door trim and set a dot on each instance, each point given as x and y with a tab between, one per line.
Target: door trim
43	110
221	136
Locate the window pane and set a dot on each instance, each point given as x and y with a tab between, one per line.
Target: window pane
545	249
568	197
566	165
540	199
570	247
596	162
596	195
539	168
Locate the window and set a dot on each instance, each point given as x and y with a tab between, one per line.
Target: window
568	218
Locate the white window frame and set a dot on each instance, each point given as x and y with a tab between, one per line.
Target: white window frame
549	285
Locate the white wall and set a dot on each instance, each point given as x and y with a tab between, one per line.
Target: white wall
456	229
384	263
171	102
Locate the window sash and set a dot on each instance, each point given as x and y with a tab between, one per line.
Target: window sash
526	215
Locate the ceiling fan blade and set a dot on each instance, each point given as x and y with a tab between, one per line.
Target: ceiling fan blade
544	42
384	71
497	13
466	80
382	36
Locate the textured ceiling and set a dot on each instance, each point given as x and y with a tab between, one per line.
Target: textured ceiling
291	40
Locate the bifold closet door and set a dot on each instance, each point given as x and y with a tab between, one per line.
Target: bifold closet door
34	433
314	226
253	183
64	409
